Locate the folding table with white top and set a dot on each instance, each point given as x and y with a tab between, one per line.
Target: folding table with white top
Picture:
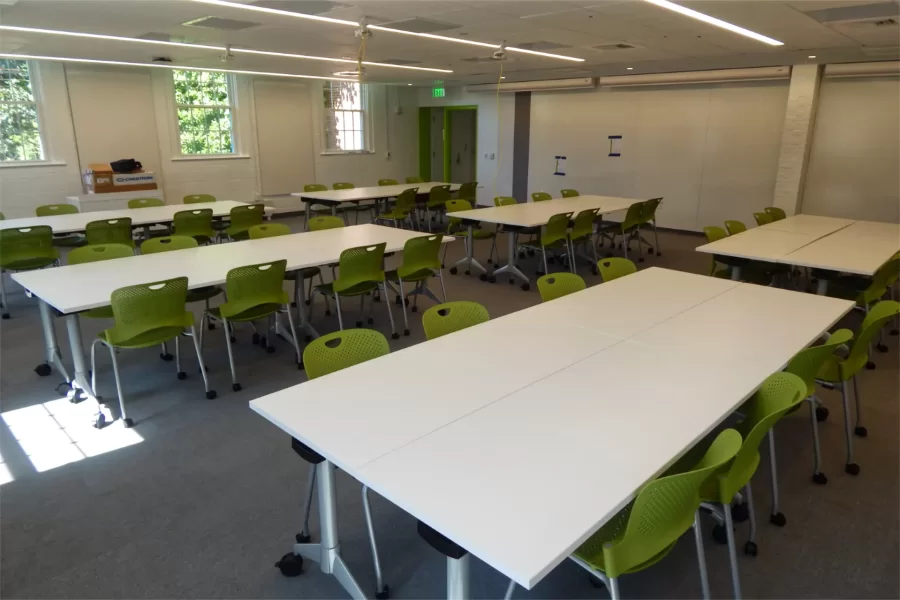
567	412
76	288
528	214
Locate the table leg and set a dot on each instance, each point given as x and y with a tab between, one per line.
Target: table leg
302	309
822	286
307	206
469	260
328	551
510	266
80	383
458	578
735	273
53	356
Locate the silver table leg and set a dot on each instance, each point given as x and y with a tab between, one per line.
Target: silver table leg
53	356
468	261
302	308
822	286
510	266
307	205
735	273
458	578
80	384
328	552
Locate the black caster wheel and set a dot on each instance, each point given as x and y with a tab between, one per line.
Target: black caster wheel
819	478
468	272
300	366
641	259
270	349
539	273
182	375
870	365
531	253
166	357
596	583
777	520
750	549
406	332
881	347
211	326
307	302
235	387
821	413
397	301
483	277
370	321
263	342
740	513
719	535
308	339
595	270
233	339
659	253
42	370
5	315
649	250
294	304
99	421
384	594
395	336
128	423
851	468
211	395
256	338
290	565
359	323
861	431
492	279
895	331
512	281
552	260
303	538
526	287
376	299
328	313
521	256
453	270
414	308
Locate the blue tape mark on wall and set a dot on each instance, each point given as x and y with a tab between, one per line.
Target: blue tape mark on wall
615	145
560	165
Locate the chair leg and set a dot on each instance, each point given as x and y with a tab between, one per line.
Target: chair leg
443	289
732	554
4	304
403	304
510	588
294	336
125	420
394	334
656	238
198	348
851	467
613	586
818	476
303	537
228	327
380	589
859	429
776	517
362	309
544	254
337	302
701	555
750	547
178	372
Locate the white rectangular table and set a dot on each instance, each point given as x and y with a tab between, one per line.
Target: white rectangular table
521	465
76	288
528	214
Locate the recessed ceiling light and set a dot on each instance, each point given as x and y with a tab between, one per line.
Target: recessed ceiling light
714	21
503	78
115	38
164	66
811	56
629	68
408	84
275	11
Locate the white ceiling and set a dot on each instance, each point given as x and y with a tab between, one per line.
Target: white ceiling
665	41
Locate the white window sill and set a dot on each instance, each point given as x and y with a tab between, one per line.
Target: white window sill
31	163
212	157
346	152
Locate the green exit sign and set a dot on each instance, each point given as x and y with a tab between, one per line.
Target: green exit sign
438	92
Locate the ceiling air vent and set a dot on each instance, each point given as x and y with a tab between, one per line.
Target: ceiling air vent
220	23
421	25
619	46
542	46
304	7
400	61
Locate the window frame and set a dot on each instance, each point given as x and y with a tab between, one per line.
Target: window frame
232	106
34	78
365	121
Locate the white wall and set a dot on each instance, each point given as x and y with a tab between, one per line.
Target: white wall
710	151
855	155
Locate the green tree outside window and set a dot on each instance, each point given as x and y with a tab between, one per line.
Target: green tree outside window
345	105
20	137
204	110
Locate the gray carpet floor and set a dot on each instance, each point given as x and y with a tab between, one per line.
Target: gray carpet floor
203	496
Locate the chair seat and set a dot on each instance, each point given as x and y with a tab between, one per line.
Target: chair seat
306	273
478	234
537	244
103	312
420	275
397	215
146	339
204	293
358	289
220	226
69	241
251	314
28	264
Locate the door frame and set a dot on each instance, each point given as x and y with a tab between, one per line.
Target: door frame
425	139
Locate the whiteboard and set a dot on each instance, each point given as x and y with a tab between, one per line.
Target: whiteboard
285	136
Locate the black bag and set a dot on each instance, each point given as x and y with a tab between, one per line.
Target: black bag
126	165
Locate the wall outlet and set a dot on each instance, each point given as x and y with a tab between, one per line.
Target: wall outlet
387	155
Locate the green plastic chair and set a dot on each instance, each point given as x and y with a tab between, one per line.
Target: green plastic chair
763	218
540	197
776	213
414	180
146	315
325	222
2	217
714	234
199	198
420	263
403	210
628	230
182	242
254	292
511	229
647	529
195	223
95	253
354	207
504	201
582	234
557	285
51	210
613	268
866	291
468	191
387	182
243	218
735	227
648	217
458	227
361	272
147	202
437	199
300	275
748	273
25	249
569	193
839	370
258	232
778	394
554	236
315	187
343	185
449	317
111	231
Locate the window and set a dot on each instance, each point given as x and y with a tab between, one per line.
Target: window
203	104
20	136
346	104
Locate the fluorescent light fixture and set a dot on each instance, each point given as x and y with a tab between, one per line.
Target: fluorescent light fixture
432	36
714	21
92	61
115	38
811	56
629	68
547	54
275	11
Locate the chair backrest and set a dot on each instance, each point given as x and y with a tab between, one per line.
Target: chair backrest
196	221
199	198
2	217
557	228
406	201
342	349
325	222
97	252
540	196
48	210
420	254
633	216
714	234
615	267
660	514
111	231
648	212
776	213
247	216
145	202
807	362
557	285
139	309
504	201
884	278
254	285
583	224
387	182
452	316
343	185
26	243
439	194
468	191
569	193
878	317
315	187
362	264
167	243
453	206
734	227
268	230
414	180
763	218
